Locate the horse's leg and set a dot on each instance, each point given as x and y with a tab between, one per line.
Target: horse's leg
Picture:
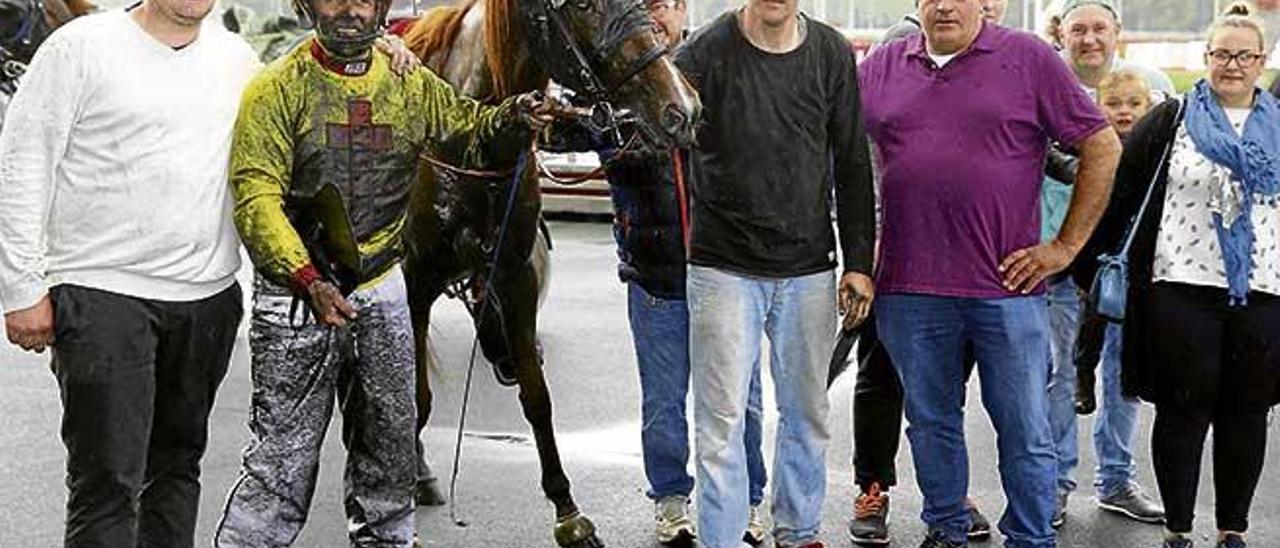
518	297
427	491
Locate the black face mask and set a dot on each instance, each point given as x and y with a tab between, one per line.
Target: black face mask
347	46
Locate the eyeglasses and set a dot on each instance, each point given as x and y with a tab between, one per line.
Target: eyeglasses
1243	58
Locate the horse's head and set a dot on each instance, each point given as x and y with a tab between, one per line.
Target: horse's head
607	51
22	28
24	24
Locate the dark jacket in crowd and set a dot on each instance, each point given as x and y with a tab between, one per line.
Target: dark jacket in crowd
1275	87
1142	376
646	209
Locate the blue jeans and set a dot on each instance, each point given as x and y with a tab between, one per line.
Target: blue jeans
728	315
1117	418
660	333
925	337
1115	424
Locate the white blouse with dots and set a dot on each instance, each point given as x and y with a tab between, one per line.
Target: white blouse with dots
1187	247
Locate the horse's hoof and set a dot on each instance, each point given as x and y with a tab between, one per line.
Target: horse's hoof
576	531
505	372
428	493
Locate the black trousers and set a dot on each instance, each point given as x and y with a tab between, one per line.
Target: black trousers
137	380
1222	367
877	410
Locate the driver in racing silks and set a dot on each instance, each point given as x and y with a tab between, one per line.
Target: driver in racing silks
325	152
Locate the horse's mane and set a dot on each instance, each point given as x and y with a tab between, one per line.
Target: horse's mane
61	12
81	7
510	67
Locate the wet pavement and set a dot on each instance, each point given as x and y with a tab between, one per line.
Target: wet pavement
591	373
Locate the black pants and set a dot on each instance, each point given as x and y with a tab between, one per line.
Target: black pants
877	410
137	380
1222	367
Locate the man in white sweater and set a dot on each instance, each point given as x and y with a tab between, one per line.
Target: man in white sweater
116	222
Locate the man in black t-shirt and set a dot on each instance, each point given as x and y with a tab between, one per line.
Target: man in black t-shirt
781	122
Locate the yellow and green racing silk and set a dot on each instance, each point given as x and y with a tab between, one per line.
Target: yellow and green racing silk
303	126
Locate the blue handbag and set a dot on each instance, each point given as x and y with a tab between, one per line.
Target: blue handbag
1110	290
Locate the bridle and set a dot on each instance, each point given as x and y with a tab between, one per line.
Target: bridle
548	31
25	38
22	36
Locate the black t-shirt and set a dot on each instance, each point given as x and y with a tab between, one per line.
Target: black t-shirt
778	130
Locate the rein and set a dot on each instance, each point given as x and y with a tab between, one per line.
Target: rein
592	175
600	117
486	300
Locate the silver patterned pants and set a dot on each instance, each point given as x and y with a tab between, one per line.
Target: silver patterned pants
300	369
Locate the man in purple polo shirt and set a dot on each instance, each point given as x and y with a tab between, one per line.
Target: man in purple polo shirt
962	117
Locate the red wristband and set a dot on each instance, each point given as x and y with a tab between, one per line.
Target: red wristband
302	278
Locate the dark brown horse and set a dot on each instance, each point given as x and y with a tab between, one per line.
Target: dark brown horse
492	49
24	24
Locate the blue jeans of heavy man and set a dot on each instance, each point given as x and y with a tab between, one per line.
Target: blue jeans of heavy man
729	315
1117	417
299	370
660	333
925	337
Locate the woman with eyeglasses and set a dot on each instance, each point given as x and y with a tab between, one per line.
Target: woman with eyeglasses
1202	327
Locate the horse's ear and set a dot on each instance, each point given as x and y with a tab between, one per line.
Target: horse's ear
231	21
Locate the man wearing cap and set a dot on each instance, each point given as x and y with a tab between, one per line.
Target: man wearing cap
325	151
962	118
1090	32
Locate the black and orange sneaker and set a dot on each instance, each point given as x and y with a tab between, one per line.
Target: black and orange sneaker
870	525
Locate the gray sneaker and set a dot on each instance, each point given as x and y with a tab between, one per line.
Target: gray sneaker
757	528
672	525
1132	502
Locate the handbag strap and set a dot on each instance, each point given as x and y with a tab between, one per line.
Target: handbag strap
1151	188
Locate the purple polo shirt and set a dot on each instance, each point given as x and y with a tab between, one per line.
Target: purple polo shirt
961	155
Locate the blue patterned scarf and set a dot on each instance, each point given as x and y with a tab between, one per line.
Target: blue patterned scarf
1254	162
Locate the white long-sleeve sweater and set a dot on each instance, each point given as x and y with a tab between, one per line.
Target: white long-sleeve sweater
113	164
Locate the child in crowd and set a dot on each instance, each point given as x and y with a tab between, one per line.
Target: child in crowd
1124	98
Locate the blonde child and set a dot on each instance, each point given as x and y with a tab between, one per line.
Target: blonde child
1124	98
